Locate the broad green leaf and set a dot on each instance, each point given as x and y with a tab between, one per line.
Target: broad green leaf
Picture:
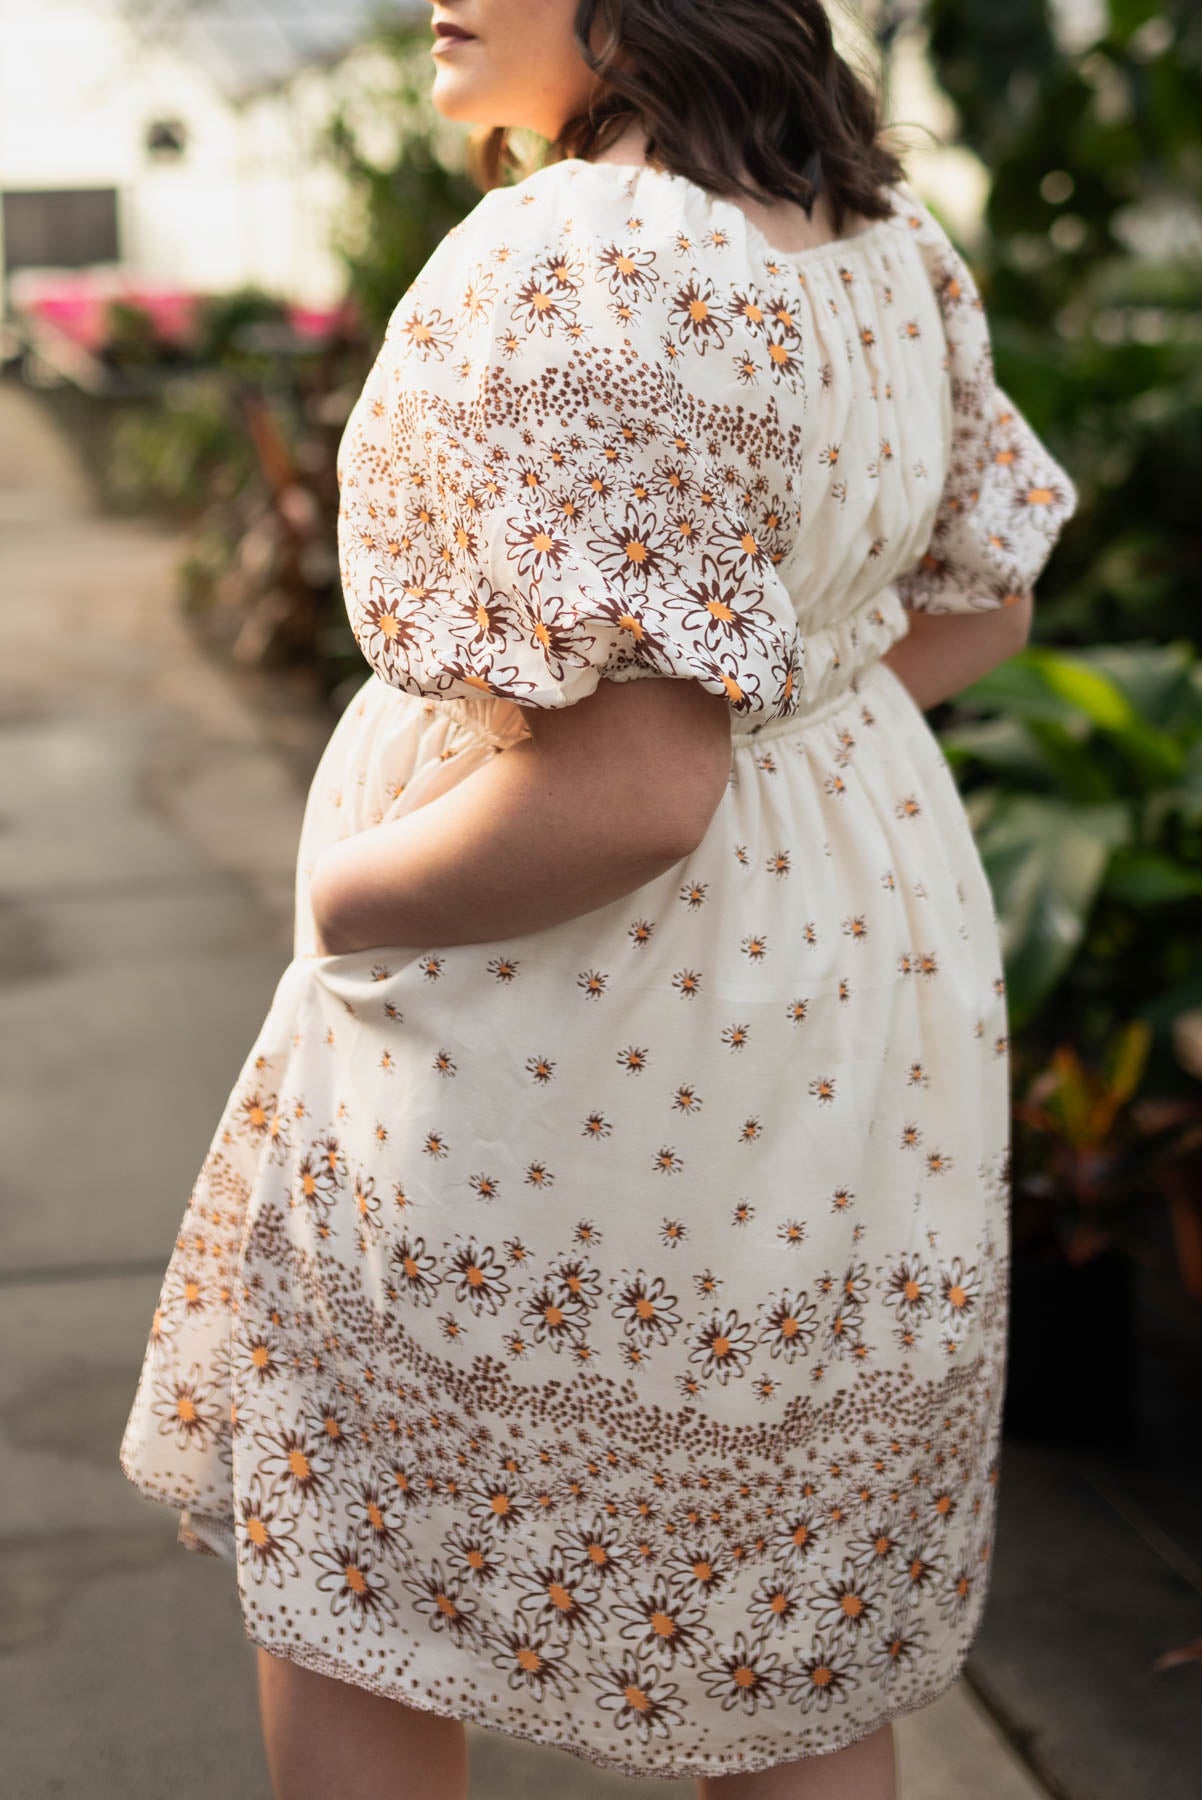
1077	772
1047	684
1063	700
1046	862
1153	755
1004	745
1128	1058
1154	677
1147	878
1087	691
1016	689
1191	781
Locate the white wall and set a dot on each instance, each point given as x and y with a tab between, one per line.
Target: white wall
245	202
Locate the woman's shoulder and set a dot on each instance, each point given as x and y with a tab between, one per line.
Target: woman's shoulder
946	266
574	201
593	254
636	199
509	235
635	227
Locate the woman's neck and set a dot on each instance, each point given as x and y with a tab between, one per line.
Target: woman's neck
783	223
630	147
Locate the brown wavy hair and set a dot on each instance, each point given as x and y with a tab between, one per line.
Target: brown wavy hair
719	86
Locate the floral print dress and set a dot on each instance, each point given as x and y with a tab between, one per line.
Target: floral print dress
599	1333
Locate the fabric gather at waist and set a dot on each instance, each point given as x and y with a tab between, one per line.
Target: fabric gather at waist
805	716
497	721
501	723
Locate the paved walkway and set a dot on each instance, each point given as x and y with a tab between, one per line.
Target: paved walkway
149	823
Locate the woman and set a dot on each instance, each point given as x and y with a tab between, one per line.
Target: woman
589	1321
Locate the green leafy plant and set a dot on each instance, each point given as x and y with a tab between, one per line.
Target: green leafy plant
402	166
244	449
1090	264
1083	777
1082	766
1084	785
133	340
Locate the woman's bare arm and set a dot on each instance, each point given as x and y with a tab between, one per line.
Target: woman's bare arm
943	653
604	795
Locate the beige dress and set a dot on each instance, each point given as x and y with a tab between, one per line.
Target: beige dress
598	1333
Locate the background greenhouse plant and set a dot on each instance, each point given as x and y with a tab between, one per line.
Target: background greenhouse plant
1084	783
1094	1152
1094	222
245	447
1083	777
1083	770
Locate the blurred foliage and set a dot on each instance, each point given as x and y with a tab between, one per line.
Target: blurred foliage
191	441
1087	807
1094	226
1081	765
399	158
1093	1151
244	448
177	452
133	340
1083	772
227	319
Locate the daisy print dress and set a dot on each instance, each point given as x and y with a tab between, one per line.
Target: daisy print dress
598	1334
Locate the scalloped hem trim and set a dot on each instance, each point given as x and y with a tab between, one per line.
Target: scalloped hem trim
322	1663
307	1656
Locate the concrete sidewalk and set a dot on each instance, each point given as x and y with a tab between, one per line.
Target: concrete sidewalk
150	821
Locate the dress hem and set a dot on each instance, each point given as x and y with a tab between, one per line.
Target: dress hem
307	1656
322	1663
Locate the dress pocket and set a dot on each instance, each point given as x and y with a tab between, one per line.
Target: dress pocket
438	776
357	976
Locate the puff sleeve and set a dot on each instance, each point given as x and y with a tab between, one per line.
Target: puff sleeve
542	484
1005	498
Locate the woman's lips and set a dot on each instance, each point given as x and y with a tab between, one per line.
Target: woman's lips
444	31
449	41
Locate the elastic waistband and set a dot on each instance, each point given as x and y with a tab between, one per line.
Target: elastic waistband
501	723
498	722
804	717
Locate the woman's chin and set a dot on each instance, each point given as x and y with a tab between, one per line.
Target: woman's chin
458	100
